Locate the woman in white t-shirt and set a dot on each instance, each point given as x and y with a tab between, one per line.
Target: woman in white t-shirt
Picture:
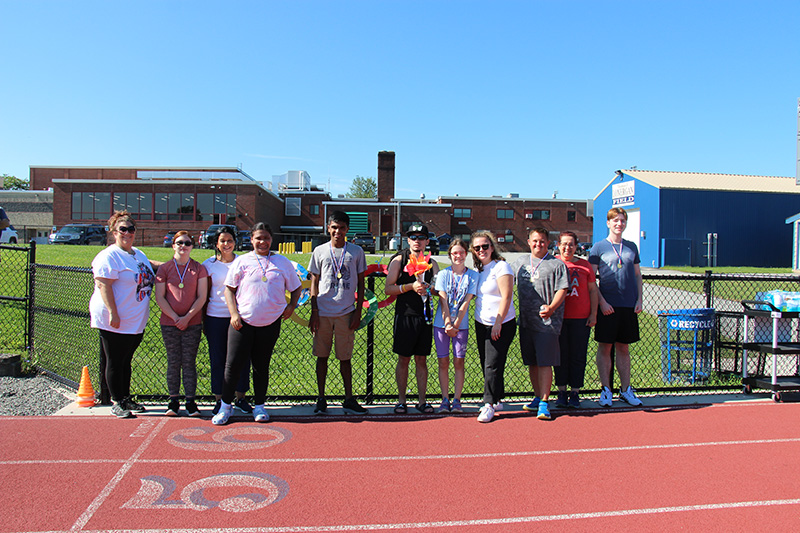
119	308
495	318
217	319
255	291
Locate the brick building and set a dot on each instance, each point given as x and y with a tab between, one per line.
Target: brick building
165	199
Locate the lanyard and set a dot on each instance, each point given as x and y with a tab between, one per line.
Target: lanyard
534	275
337	267
455	285
619	254
178	269
263	268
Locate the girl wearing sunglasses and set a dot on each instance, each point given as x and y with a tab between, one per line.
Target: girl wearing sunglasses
495	318
181	292
119	308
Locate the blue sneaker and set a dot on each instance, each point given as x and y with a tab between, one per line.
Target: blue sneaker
544	411
533	407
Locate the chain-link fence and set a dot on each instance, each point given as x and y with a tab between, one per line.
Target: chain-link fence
15	285
63	342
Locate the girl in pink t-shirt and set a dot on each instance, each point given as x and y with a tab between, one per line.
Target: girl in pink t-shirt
255	292
181	291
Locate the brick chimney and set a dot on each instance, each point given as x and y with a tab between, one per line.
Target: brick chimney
385	176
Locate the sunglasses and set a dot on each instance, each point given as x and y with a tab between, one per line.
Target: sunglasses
418	237
184	243
482	247
126	229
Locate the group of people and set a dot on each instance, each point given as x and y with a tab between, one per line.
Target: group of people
240	301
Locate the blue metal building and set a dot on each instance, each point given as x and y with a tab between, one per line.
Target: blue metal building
695	219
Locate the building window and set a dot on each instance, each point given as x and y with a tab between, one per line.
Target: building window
505	213
139	204
462	212
292	207
540	214
571	216
91	205
313	209
217	208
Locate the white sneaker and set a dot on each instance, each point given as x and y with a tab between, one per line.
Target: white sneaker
605	397
498	406
486	414
259	414
222	416
629	397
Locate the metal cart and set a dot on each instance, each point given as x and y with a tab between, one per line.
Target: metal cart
755	309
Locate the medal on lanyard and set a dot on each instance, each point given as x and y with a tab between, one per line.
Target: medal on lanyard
263	268
455	286
337	267
619	254
181	276
534	271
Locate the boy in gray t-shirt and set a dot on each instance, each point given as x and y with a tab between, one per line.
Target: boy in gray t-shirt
337	290
542	283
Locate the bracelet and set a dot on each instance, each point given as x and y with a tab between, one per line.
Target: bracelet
403	288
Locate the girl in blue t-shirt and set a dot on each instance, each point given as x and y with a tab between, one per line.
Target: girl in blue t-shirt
456	286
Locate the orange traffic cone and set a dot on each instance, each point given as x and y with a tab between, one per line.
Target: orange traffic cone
85	390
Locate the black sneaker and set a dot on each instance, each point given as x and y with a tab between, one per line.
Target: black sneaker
131	405
191	408
173	408
322	406
120	412
351	406
561	399
243	405
217	405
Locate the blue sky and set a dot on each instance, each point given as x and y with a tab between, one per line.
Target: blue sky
476	98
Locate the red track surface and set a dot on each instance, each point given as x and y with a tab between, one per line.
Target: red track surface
714	468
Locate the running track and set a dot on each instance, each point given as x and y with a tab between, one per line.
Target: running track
728	467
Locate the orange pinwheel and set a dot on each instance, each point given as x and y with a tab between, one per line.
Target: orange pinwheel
416	267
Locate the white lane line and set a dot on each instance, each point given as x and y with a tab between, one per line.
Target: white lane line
476	522
531	453
98	501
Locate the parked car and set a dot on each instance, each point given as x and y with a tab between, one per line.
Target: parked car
9	236
81	234
583	248
168	238
444	240
365	241
244	242
433	244
203	241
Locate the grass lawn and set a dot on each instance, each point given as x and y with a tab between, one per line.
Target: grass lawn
64	343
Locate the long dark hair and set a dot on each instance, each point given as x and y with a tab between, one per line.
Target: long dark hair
215	239
495	253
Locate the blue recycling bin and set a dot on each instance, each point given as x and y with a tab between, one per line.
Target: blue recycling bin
687	343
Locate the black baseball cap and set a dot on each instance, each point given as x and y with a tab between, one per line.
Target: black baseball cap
417	228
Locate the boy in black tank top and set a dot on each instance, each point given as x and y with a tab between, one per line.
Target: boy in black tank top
413	334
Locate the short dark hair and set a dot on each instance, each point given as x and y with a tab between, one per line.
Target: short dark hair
540	230
568	234
339	216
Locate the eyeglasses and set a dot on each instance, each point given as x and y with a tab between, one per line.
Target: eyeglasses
417	238
483	247
184	243
126	229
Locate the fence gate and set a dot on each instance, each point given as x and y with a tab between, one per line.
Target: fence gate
16	288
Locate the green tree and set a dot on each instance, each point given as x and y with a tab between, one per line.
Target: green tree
11	183
363	188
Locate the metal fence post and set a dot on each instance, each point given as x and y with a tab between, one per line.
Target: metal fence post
707	288
370	349
29	306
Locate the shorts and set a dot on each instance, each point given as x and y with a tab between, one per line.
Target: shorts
538	348
330	326
443	342
412	336
621	326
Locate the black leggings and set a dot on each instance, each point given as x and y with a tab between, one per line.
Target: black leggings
250	345
117	349
493	358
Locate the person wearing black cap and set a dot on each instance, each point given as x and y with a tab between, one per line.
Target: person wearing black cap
413	316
